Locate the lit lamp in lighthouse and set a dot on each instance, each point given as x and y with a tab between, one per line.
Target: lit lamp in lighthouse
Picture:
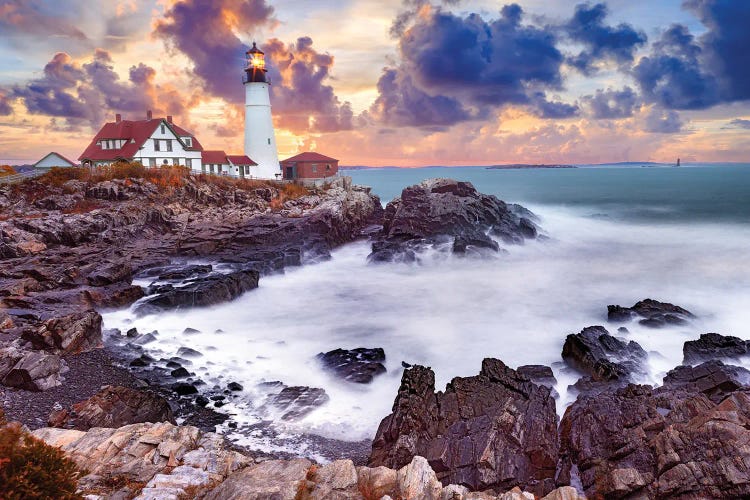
260	139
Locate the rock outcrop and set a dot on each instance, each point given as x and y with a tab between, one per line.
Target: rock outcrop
450	213
359	365
602	356
30	370
686	439
652	313
494	430
113	407
714	346
162	461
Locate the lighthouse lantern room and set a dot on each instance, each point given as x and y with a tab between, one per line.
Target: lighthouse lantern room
260	140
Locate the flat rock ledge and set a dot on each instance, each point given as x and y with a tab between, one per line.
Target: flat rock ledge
166	462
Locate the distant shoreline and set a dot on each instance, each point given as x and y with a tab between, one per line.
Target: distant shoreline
516	166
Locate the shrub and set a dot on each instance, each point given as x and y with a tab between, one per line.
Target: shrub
6	170
57	176
31	469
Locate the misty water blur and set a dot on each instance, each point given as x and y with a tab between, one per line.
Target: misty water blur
450	312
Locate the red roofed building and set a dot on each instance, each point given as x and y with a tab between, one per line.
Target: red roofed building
153	142
218	162
309	165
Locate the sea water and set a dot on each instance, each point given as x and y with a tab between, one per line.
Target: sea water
616	234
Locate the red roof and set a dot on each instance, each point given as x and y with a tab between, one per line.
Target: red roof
214	157
135	133
241	160
310	156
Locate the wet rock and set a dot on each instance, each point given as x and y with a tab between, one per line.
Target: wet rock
539	374
604	357
234	386
142	360
188	352
714	346
200	292
179	272
30	370
201	401
653	313
190	331
113	407
297	401
132	333
493	430
439	211
110	273
145	339
637	442
179	373
712	378
69	334
359	365
184	389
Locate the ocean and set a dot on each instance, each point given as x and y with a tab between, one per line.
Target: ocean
616	234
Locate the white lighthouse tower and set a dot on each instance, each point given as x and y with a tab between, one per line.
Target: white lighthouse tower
260	140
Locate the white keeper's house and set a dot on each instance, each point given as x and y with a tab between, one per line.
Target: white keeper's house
153	142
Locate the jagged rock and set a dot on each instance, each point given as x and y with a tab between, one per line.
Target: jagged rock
298	401
604	357
539	374
70	334
113	407
663	443
359	365
110	273
30	370
179	272
417	480
654	314
439	211
713	378
714	346
493	430
200	292
337	479
282	479
378	482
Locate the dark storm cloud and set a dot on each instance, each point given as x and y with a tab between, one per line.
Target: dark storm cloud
205	33
663	121
455	68
5	108
673	75
601	42
301	98
612	104
726	44
85	93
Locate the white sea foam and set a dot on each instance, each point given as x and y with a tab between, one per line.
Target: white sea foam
450	313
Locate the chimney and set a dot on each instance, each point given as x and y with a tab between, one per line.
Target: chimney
169	119
149	115
118	118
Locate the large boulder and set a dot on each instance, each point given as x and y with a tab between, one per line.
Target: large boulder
70	334
714	346
713	378
603	357
199	292
637	442
114	407
359	365
652	313
30	370
448	213
493	430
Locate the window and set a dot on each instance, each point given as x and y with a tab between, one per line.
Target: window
247	170
165	162
163	129
188	142
157	145
152	162
328	167
175	161
189	162
203	168
314	167
104	144
169	144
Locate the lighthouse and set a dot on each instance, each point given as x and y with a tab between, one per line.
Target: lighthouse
260	140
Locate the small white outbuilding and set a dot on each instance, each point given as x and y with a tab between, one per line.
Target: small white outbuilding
54	160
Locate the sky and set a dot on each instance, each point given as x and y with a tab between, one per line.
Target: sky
389	82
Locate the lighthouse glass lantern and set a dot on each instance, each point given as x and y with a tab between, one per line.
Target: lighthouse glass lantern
256	65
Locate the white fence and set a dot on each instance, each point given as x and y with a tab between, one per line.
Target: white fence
13	178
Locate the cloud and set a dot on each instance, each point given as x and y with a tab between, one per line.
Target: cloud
454	68
5	108
601	42
725	45
32	17
662	121
85	93
739	123
301	98
612	104
206	33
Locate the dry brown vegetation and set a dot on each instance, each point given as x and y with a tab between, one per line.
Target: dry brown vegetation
6	170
